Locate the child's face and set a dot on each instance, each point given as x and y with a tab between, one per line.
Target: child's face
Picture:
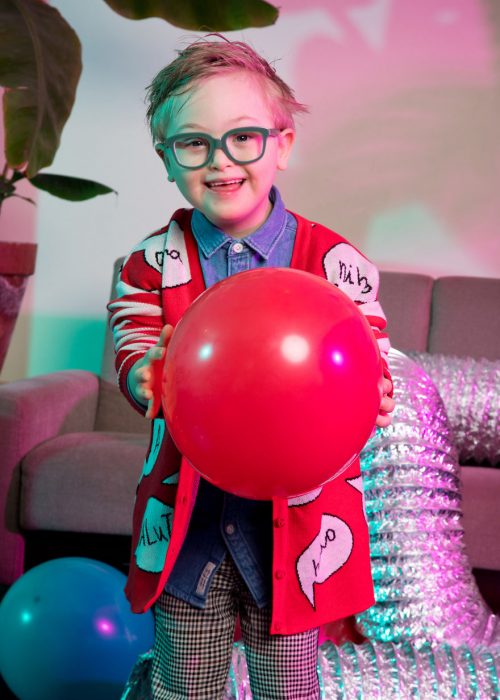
214	106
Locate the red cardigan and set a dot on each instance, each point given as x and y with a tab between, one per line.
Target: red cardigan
321	562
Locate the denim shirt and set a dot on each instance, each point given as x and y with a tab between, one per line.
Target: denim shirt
222	523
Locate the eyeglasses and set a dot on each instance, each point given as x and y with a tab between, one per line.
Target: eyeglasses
195	150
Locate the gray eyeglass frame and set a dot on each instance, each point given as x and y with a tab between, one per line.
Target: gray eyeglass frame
214	143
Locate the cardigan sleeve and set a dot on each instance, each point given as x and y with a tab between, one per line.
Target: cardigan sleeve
136	313
376	318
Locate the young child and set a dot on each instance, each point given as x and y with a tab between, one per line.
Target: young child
223	123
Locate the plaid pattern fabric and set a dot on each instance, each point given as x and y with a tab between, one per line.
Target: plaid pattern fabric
193	647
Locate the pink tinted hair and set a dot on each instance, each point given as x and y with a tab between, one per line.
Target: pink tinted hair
204	59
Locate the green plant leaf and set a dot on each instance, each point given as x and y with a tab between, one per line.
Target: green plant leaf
201	15
16	176
40	65
26	199
75	189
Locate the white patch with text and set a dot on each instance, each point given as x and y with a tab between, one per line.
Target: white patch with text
155	536
351	272
327	553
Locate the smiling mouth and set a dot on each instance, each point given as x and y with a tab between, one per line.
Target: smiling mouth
225	184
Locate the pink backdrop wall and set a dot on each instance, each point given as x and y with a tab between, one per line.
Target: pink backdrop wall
400	152
402	145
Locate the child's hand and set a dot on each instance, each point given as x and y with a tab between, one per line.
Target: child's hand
386	406
145	375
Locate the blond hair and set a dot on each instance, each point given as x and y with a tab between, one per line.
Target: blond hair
206	58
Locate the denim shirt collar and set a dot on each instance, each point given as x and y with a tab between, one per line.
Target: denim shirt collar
210	238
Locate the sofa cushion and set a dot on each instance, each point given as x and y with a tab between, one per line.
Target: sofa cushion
466	317
481	515
406	301
115	414
82	482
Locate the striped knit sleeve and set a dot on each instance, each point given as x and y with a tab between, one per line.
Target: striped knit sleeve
136	314
357	277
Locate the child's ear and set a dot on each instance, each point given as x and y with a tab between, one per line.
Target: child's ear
166	162
285	143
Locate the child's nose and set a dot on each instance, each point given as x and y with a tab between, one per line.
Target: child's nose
219	159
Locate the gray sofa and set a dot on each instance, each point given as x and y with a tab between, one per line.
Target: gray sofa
71	448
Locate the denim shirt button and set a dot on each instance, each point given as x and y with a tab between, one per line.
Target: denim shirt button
237	248
230	529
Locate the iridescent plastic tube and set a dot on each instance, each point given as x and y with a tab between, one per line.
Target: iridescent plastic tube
470	390
424	587
388	671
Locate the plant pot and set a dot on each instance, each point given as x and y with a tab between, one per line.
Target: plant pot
17	263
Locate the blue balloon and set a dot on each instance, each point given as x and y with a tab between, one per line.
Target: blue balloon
67	632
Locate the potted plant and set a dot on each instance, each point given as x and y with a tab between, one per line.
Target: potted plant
40	66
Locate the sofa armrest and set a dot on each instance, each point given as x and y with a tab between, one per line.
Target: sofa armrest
32	411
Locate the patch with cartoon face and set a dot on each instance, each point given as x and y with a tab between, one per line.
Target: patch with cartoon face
357	483
326	554
351	272
305	498
154	450
152	250
176	271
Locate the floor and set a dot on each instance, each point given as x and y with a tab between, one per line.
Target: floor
488	582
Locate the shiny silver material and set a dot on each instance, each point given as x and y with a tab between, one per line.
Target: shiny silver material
424	587
470	390
388	671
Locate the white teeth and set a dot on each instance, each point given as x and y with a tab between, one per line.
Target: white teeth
226	182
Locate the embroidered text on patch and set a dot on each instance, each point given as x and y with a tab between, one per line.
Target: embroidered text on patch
205	578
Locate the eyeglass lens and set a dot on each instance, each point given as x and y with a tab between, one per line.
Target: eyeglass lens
243	147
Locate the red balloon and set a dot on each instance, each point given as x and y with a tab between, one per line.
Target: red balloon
272	383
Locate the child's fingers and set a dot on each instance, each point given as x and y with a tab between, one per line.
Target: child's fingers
143	374
148	376
150	413
387	386
155	369
142	380
155	353
387	404
166	334
154	397
383	420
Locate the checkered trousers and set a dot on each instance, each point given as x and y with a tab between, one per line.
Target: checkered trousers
193	647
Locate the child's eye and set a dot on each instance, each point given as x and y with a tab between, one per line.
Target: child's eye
195	143
191	144
243	138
